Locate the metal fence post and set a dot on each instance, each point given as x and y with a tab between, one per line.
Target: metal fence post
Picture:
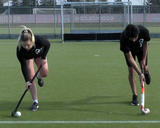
9	26
62	21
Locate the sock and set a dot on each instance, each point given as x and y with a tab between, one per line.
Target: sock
35	101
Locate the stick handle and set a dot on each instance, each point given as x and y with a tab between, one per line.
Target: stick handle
36	73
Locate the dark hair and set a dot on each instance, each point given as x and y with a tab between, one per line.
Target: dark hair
131	31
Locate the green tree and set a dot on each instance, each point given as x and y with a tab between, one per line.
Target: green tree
48	2
26	2
1	4
15	2
118	1
155	2
29	2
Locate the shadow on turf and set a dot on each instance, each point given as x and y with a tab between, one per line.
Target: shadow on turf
84	105
10	105
94	100
87	104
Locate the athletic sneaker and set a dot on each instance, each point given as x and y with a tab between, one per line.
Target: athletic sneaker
34	106
40	81
135	100
147	77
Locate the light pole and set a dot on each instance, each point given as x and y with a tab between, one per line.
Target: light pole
9	28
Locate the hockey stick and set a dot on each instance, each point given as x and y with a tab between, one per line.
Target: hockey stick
143	109
20	100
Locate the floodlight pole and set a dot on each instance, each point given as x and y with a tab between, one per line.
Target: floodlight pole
144	11
54	17
9	26
62	21
130	12
100	12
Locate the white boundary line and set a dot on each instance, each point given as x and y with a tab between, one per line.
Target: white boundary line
83	122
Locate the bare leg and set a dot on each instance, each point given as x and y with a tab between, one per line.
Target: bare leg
132	80
33	88
44	69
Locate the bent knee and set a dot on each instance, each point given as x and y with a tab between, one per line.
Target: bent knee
44	74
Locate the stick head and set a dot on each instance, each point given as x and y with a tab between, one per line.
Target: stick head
13	114
145	111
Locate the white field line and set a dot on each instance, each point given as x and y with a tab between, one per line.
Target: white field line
83	122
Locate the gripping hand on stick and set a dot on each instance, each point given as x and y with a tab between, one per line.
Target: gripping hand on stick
28	84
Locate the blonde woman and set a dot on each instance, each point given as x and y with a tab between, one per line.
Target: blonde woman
32	49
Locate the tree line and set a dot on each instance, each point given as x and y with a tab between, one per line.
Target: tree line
153	7
53	2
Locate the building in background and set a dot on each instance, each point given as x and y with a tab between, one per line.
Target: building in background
134	2
8	3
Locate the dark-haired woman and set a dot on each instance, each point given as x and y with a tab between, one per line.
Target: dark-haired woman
134	43
32	49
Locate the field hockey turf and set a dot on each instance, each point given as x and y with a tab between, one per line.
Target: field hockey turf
87	86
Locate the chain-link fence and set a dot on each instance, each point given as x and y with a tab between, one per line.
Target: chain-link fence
102	17
91	17
46	22
80	17
148	16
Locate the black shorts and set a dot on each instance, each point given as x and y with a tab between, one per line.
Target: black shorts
139	56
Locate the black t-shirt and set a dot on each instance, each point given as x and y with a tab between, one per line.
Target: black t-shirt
135	47
39	50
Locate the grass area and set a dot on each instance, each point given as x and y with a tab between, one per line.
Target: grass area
52	29
87	82
37	28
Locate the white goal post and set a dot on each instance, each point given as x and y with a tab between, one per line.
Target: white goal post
64	3
53	11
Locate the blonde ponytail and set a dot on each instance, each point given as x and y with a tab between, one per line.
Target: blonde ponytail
25	31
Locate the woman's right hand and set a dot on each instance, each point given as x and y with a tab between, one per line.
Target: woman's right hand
142	78
28	84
